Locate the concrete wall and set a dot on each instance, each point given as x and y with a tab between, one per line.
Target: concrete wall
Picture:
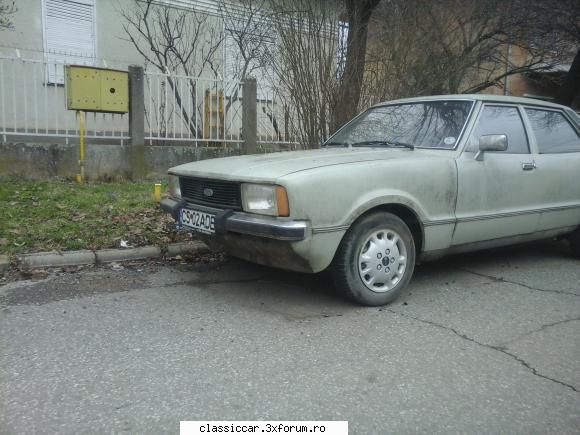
102	162
27	34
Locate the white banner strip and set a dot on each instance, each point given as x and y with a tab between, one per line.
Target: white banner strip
259	427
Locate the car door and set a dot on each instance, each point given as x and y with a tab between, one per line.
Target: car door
495	194
557	160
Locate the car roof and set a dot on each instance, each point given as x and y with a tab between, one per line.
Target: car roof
477	97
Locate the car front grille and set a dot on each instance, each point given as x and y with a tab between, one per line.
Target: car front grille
214	193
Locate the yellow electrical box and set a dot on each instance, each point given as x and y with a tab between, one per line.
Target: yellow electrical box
97	89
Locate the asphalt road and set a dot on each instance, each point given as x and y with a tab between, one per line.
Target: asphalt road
483	343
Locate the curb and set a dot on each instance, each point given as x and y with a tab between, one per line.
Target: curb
77	258
54	259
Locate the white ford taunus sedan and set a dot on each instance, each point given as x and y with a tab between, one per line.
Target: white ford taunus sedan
406	180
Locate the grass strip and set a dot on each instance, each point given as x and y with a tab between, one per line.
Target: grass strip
61	215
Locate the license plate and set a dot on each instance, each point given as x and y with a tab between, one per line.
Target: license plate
197	220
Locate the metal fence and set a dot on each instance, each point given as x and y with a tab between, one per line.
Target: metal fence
179	109
277	121
208	112
192	110
33	106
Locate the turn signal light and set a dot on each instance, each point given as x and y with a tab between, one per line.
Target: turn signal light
282	202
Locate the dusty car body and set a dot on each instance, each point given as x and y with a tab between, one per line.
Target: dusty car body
459	187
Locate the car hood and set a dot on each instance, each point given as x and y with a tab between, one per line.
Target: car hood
270	167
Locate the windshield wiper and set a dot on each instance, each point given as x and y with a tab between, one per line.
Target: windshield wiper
389	143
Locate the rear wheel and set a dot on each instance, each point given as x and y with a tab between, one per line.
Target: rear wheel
375	260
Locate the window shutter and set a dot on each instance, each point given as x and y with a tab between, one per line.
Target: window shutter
69	35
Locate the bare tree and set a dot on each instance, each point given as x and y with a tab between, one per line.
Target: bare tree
306	65
249	31
420	47
308	75
249	36
358	13
7	10
570	89
186	41
297	40
557	21
179	41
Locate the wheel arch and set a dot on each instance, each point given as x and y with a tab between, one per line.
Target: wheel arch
406	214
346	273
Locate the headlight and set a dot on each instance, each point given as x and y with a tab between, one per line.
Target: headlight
174	189
265	199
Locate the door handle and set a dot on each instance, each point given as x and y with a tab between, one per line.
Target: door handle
528	166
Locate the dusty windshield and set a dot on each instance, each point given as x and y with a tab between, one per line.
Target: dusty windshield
433	124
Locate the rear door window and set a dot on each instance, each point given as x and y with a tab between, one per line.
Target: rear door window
554	133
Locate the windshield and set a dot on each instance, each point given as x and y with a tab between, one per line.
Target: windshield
432	124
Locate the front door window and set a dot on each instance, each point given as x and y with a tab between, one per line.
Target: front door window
502	120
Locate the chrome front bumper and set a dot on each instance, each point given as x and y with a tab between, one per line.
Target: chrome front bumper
244	223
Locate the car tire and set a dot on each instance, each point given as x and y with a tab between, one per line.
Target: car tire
375	260
575	243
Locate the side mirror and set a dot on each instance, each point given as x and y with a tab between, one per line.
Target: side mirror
491	142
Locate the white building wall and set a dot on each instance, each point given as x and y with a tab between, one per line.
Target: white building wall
30	99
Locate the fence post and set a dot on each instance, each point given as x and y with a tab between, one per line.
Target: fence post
135	156
250	116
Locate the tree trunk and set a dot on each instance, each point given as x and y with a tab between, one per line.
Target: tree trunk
571	86
348	96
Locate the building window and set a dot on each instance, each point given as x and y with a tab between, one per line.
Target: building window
69	35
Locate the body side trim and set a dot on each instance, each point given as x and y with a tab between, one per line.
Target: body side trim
465	219
517	213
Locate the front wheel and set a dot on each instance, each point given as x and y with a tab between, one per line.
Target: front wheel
575	243
375	260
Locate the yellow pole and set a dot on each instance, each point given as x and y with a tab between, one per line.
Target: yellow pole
157	192
81	176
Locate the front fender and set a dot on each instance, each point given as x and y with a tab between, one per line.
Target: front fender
336	196
332	198
369	202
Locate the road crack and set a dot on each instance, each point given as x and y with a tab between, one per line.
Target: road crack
500	349
529	287
540	329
